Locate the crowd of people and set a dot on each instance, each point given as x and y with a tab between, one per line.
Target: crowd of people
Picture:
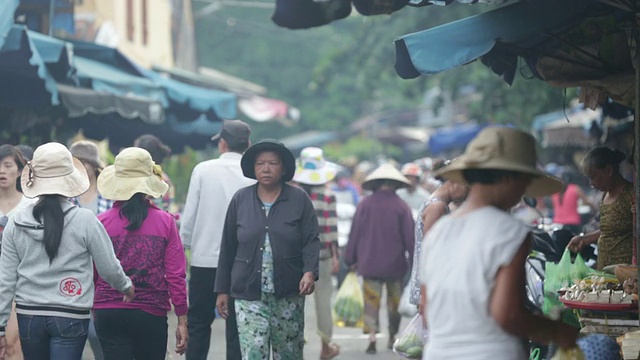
89	251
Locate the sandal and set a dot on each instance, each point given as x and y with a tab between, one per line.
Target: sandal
392	339
334	350
372	348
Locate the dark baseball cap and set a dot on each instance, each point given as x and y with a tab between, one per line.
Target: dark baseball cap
234	132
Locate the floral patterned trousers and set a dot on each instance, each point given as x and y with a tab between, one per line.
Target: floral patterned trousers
372	290
271	323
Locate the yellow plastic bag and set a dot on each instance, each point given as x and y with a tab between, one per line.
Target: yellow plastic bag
569	354
348	310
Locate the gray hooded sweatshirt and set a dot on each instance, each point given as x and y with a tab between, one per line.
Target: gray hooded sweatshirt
63	287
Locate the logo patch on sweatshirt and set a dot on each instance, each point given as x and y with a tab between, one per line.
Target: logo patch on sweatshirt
70	287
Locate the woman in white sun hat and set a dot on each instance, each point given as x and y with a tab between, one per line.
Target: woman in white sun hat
146	242
48	254
313	173
472	266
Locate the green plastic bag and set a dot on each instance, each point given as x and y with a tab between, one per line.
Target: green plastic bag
557	276
580	270
348	310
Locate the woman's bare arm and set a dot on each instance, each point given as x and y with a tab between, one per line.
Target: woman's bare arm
578	242
433	213
507	306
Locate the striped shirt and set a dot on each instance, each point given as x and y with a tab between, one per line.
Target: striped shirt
102	204
324	202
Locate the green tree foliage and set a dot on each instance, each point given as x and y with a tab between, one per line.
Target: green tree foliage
362	148
343	71
179	168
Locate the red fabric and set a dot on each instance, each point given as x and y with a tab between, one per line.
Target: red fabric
566	211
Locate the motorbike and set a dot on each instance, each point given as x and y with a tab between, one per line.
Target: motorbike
549	243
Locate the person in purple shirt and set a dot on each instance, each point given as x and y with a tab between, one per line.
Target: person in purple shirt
146	241
380	247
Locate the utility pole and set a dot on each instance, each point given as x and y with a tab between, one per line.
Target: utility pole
52	13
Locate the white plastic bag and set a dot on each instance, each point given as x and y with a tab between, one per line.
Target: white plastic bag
412	339
405	307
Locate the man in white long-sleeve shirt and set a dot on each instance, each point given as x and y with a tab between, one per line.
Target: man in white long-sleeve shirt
213	183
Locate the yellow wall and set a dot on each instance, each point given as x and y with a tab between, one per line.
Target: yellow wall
158	50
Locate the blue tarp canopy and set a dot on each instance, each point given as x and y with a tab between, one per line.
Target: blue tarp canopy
27	83
215	103
498	37
222	103
105	93
104	77
452	137
7	9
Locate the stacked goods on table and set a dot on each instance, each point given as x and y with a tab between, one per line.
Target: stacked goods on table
598	289
604	292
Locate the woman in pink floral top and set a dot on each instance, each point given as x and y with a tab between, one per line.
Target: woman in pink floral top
146	241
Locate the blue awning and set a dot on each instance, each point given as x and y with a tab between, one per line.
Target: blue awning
453	137
198	99
104	77
498	37
7	9
106	55
51	50
27	82
222	103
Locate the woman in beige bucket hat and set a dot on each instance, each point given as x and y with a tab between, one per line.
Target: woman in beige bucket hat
472	268
55	245
146	241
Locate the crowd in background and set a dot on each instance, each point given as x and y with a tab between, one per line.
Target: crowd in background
262	230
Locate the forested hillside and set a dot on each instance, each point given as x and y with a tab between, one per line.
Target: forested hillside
343	71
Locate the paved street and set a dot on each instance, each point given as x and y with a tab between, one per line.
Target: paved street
351	341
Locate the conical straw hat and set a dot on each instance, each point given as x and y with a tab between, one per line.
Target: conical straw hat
385	171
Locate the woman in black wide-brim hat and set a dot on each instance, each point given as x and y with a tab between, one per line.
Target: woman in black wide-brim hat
269	255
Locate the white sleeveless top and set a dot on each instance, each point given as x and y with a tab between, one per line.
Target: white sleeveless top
460	259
